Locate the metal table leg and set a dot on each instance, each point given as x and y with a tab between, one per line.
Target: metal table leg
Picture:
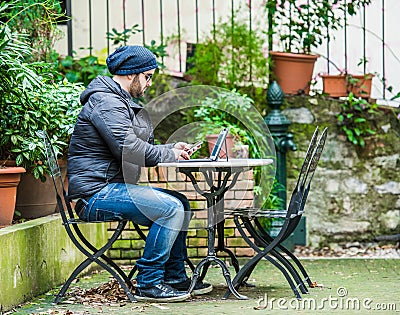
215	199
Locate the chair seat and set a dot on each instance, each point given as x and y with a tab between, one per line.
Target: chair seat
79	221
259	212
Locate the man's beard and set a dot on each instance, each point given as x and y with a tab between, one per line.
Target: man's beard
135	89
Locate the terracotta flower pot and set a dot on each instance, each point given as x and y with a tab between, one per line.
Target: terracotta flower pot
9	180
293	72
212	139
334	85
361	85
342	85
36	198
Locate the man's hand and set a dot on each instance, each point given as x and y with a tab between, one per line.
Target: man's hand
181	154
182	146
189	148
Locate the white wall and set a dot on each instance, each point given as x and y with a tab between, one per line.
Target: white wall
80	22
374	51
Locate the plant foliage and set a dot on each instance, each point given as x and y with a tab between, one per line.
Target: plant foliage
230	57
303	25
38	21
30	101
226	109
355	119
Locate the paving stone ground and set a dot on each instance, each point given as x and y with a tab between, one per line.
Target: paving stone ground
351	250
346	286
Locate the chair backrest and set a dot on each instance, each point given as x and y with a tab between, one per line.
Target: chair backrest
307	160
300	193
297	194
62	199
313	165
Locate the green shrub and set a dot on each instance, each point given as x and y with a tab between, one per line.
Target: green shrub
355	119
30	101
232	58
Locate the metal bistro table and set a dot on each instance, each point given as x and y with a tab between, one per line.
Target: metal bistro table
223	170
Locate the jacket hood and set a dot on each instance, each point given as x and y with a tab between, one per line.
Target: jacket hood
104	85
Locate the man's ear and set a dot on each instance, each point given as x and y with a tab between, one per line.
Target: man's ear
131	76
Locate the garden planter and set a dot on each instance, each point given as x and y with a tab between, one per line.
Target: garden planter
342	85
36	198
230	142
334	85
360	85
293	72
9	180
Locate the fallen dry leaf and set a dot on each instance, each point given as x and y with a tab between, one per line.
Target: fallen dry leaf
109	294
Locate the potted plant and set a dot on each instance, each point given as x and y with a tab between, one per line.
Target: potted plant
339	85
31	101
360	85
56	107
225	109
15	75
301	27
334	85
9	180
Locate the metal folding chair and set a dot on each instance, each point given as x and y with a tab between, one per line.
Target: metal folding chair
71	223
270	247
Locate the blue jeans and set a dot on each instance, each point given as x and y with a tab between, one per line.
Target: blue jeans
166	212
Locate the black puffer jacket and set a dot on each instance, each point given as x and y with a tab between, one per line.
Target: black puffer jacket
112	139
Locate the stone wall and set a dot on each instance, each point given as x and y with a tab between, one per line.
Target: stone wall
37	255
355	193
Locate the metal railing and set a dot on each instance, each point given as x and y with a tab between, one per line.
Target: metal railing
159	19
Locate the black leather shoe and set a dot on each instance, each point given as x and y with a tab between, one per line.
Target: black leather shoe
160	293
199	289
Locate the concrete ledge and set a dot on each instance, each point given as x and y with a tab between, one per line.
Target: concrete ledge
37	255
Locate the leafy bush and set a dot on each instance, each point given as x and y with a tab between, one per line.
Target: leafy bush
223	110
83	69
355	119
31	102
230	57
53	108
37	20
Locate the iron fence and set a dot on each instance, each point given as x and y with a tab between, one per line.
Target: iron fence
159	19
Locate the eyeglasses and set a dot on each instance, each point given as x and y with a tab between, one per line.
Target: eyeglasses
148	76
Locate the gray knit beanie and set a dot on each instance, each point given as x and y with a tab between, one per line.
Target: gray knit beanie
131	59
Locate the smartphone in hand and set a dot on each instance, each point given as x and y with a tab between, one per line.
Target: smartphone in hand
194	147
